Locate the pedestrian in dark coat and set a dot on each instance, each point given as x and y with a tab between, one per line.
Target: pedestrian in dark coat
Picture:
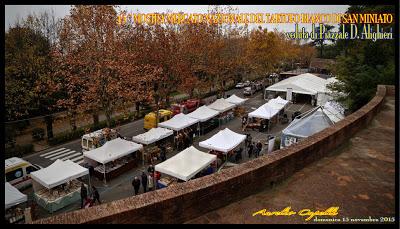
259	147
144	181
136	185
84	194
96	195
251	149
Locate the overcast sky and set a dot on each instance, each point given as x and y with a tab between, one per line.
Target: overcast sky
13	12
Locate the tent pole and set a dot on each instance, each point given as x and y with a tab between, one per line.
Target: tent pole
104	165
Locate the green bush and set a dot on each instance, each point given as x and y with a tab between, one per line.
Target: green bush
72	135
38	134
67	136
18	150
277	143
20	126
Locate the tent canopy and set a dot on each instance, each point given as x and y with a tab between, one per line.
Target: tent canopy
178	122
334	110
302	84
13	196
224	141
235	100
312	122
203	113
221	105
153	135
265	111
112	150
280	101
58	173
186	164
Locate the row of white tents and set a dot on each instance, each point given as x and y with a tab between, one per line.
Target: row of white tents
182	121
191	161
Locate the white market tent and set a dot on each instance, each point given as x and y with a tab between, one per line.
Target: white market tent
265	111
112	150
58	173
235	100
302	84
186	164
280	101
153	135
221	105
178	122
224	141
334	111
13	196
203	113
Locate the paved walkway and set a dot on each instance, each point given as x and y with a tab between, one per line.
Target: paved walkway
359	178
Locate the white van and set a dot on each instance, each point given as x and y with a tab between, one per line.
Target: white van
18	171
98	138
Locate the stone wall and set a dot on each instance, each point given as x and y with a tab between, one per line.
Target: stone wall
185	201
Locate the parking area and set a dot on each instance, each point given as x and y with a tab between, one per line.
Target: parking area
121	187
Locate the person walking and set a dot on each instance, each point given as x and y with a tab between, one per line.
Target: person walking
163	153
96	195
144	182
259	147
251	148
150	169
150	182
136	185
84	194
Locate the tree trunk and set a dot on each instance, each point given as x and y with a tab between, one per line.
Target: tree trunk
108	118
322	47
73	121
49	126
95	117
137	106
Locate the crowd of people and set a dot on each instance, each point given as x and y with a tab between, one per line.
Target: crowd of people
253	148
184	138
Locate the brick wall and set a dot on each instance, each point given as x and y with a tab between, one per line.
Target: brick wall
185	201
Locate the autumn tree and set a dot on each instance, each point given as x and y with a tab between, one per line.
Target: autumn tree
29	67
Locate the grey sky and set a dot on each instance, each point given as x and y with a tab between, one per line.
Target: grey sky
13	12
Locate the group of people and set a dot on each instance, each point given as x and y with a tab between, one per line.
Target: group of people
184	138
146	180
253	147
86	200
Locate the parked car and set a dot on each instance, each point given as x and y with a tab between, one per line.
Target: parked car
150	118
239	85
97	138
247	83
17	172
186	106
249	91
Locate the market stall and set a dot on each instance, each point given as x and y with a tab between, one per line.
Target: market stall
13	200
184	128
207	118
267	114
113	158
184	165
239	110
151	139
223	143
310	123
225	108
57	185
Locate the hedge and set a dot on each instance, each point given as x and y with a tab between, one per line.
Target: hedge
78	133
18	150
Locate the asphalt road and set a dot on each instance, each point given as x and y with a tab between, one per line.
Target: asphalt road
73	151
